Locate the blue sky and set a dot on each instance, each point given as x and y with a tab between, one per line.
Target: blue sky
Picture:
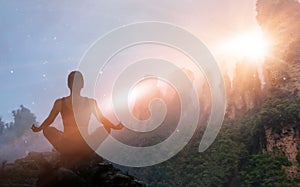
41	41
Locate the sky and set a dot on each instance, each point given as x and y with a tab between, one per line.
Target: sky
42	41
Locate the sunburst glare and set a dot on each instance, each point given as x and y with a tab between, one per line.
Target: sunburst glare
253	46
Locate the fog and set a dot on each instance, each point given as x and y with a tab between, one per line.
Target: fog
16	137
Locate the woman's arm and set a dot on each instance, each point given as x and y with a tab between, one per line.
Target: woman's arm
54	112
106	123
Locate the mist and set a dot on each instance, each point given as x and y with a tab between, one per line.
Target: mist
16	137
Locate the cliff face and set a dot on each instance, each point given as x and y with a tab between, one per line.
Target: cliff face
283	142
244	92
279	19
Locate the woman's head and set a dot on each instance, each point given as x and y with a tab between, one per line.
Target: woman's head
75	81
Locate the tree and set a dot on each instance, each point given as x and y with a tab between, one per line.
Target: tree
2	125
280	110
23	119
298	157
265	170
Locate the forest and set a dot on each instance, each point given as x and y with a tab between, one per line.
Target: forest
238	157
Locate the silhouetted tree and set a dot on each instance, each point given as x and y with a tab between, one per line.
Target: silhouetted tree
1	126
23	119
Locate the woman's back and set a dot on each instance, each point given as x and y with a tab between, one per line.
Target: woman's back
76	113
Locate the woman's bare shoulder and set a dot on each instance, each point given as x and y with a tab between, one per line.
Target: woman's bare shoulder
60	100
91	100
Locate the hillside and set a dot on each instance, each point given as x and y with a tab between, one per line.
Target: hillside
47	169
259	141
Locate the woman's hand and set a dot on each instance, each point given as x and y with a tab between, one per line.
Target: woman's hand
35	128
119	126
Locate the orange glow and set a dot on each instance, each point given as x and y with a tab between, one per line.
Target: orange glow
251	46
142	93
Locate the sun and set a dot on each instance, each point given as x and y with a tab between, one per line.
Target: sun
253	46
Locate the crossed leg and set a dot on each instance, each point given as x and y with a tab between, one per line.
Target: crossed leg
55	137
75	146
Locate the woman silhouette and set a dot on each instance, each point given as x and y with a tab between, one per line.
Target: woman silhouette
75	111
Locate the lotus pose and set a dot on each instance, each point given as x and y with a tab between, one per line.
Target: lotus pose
75	111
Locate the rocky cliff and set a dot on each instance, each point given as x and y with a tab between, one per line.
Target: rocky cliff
279	20
48	169
286	141
244	92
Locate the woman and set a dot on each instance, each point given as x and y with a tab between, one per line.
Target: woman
75	111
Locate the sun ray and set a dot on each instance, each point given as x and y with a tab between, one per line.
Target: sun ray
250	46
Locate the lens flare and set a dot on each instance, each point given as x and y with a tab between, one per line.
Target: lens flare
250	45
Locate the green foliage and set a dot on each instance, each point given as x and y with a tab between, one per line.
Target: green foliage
215	167
246	129
235	157
298	157
280	109
265	170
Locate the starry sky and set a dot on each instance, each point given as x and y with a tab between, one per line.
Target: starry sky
42	41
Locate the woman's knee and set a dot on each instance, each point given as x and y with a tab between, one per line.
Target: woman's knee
49	131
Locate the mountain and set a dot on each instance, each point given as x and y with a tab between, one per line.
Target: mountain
278	20
259	142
